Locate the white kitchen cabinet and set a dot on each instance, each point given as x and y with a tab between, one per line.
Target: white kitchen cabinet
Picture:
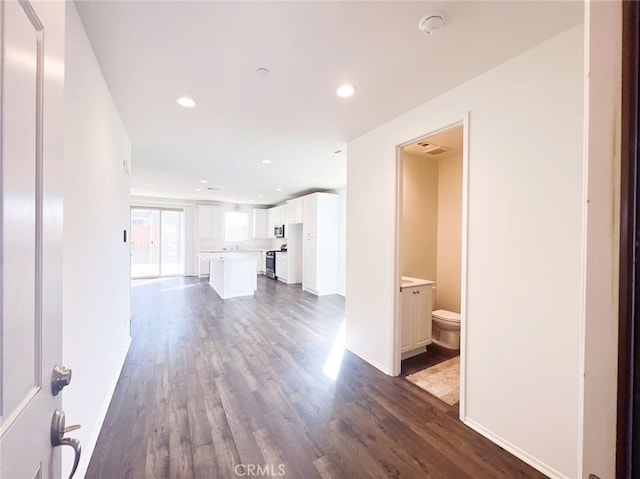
261	223
260	263
210	221
203	268
320	244
271	222
282	267
289	267
277	216
320	214
310	265
295	210
310	216
415	322
281	215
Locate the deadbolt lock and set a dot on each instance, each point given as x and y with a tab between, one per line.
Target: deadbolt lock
60	377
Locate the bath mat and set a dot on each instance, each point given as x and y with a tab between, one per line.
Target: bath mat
441	380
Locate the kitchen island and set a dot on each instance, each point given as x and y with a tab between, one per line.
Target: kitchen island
232	274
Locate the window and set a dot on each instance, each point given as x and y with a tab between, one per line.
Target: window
236	226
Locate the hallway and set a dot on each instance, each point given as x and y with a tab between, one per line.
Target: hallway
211	388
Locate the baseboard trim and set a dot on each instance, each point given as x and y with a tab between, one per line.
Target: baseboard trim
515	450
373	362
87	450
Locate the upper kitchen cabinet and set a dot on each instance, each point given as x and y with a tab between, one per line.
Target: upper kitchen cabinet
294	210
281	215
210	221
320	215
261	224
271	221
277	216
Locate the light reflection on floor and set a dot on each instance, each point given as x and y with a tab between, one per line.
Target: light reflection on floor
334	360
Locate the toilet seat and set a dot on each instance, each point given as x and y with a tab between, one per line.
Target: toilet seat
446	316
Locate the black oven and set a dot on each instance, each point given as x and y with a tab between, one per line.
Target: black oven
271	264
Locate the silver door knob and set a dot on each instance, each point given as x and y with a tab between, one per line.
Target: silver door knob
60	377
57	437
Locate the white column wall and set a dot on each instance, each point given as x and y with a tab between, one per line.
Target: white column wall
602	154
524	292
96	260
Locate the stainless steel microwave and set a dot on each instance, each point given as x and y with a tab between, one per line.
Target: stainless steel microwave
278	231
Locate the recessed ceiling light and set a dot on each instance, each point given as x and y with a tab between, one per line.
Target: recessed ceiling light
260	196
250	201
345	91
198	189
266	162
204	182
262	72
186	101
278	189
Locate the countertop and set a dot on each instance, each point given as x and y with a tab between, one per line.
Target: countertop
234	251
409	282
227	256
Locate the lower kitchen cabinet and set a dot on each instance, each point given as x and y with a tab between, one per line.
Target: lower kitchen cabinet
281	267
203	268
288	268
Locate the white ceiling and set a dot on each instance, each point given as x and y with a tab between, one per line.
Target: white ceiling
152	52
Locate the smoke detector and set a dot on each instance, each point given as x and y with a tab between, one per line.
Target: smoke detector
431	22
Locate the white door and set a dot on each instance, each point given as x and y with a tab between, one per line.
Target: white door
31	123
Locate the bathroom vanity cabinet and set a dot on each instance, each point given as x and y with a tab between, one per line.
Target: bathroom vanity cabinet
415	316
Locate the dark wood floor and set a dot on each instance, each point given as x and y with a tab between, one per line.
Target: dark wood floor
433	355
211	388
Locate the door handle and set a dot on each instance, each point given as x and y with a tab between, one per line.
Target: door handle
58	430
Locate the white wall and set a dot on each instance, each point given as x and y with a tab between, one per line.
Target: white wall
419	228
449	254
523	312
96	286
603	41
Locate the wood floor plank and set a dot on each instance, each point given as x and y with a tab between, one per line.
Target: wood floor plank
212	387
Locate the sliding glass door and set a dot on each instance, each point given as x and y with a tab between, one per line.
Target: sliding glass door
170	243
156	242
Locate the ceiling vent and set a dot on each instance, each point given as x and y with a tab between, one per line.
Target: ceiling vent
438	150
432	148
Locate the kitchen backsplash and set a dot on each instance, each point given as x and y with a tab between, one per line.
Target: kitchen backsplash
206	244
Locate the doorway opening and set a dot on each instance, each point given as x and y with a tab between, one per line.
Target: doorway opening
157	242
430	262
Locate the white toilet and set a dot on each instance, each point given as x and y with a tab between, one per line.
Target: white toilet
446	328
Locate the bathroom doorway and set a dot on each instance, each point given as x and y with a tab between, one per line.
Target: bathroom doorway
430	263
